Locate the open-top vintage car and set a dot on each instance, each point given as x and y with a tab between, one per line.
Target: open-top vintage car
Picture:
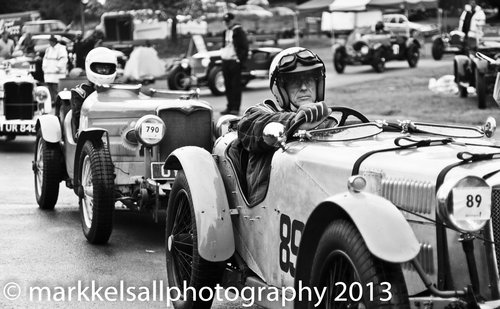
124	138
371	213
22	101
363	46
201	67
447	43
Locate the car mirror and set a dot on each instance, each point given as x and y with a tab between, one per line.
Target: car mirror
489	127
274	134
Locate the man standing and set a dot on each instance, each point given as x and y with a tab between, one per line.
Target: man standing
234	54
54	65
471	22
6	45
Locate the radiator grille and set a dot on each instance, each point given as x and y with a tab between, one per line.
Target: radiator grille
495	220
18	100
186	127
426	259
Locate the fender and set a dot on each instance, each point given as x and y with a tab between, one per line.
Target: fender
50	128
379	235
64	94
461	65
211	207
481	65
437	37
413	41
85	135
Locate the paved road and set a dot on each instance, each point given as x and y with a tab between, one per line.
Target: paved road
40	248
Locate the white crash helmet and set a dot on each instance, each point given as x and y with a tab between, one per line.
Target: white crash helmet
295	60
101	57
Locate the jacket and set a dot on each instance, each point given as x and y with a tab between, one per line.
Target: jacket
240	42
477	21
54	63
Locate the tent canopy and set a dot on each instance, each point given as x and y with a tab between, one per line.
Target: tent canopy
362	5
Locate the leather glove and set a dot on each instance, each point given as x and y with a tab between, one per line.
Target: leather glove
312	112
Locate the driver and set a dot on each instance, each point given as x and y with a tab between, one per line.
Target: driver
297	81
100	68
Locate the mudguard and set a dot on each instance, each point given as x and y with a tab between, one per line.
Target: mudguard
384	229
211	207
64	95
85	135
462	63
50	128
414	41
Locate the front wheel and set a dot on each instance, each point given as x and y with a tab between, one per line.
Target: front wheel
184	263
480	89
343	257
378	63
413	56
437	49
96	192
178	79
48	169
339	61
216	81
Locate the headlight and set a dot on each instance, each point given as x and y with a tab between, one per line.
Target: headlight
365	50
205	62
185	63
150	130
41	95
465	204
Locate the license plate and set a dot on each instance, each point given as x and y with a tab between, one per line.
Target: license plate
19	128
32	68
472	203
157	172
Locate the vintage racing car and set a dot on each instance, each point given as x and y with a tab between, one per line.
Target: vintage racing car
447	43
374	214
125	136
22	101
363	46
205	67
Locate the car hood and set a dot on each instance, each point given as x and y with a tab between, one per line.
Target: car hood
331	163
109	105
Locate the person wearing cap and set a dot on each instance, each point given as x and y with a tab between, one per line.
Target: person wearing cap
233	54
6	45
54	65
297	81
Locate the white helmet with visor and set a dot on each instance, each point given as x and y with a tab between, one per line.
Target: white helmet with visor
100	66
295	63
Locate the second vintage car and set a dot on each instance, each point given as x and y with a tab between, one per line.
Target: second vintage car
371	214
117	157
364	46
22	100
204	67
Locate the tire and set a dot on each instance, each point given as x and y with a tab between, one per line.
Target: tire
48	170
177	79
480	89
437	49
96	192
413	56
339	61
216	81
184	264
341	247
379	62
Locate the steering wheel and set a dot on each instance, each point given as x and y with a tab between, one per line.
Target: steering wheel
346	112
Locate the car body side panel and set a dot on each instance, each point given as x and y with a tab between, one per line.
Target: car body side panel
51	129
213	221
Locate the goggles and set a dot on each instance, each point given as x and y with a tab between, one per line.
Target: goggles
289	62
299	79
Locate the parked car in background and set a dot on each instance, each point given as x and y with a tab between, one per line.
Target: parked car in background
473	70
124	138
407	213
400	25
364	46
22	100
49	26
447	43
203	67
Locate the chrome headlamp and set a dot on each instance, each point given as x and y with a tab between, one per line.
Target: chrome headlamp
205	62
150	130
465	204
42	97
185	63
364	49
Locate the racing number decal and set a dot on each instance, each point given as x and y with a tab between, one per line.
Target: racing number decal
473	200
290	233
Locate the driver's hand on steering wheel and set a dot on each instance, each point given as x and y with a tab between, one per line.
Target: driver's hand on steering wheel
313	113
